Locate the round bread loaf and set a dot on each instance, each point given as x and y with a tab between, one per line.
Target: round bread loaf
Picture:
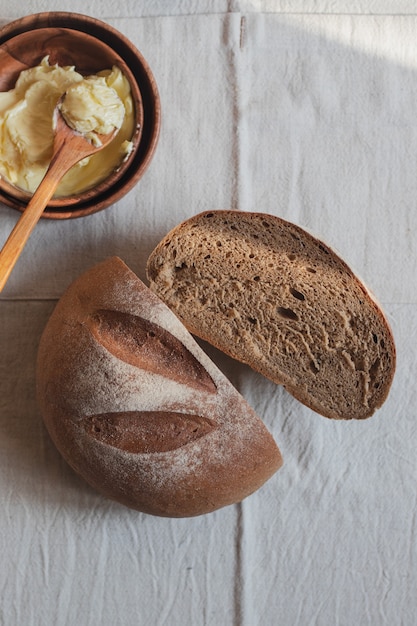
138	409
271	295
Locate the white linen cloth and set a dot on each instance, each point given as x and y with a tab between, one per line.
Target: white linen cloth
306	110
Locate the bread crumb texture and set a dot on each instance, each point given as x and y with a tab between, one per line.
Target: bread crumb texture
271	295
138	409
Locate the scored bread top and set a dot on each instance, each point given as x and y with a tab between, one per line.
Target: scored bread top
138	409
271	295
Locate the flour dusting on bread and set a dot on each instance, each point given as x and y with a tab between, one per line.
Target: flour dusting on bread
138	409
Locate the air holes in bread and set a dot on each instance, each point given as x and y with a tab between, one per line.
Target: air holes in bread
373	372
287	313
314	368
297	294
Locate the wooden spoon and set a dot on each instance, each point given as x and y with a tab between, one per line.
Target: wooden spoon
69	148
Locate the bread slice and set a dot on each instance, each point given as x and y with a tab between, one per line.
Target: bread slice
271	295
138	409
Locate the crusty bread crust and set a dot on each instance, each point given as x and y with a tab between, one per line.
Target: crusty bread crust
271	295
138	409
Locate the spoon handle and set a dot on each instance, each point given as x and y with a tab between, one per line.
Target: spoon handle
69	148
28	220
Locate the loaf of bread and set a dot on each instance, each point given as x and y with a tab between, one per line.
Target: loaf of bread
138	409
271	295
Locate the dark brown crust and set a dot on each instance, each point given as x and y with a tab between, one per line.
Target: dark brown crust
167	440
146	432
149	347
271	295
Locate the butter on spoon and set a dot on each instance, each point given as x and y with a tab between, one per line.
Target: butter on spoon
91	107
70	147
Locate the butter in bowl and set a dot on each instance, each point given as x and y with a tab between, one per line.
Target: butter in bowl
105	79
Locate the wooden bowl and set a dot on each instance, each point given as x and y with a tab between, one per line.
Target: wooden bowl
90	45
